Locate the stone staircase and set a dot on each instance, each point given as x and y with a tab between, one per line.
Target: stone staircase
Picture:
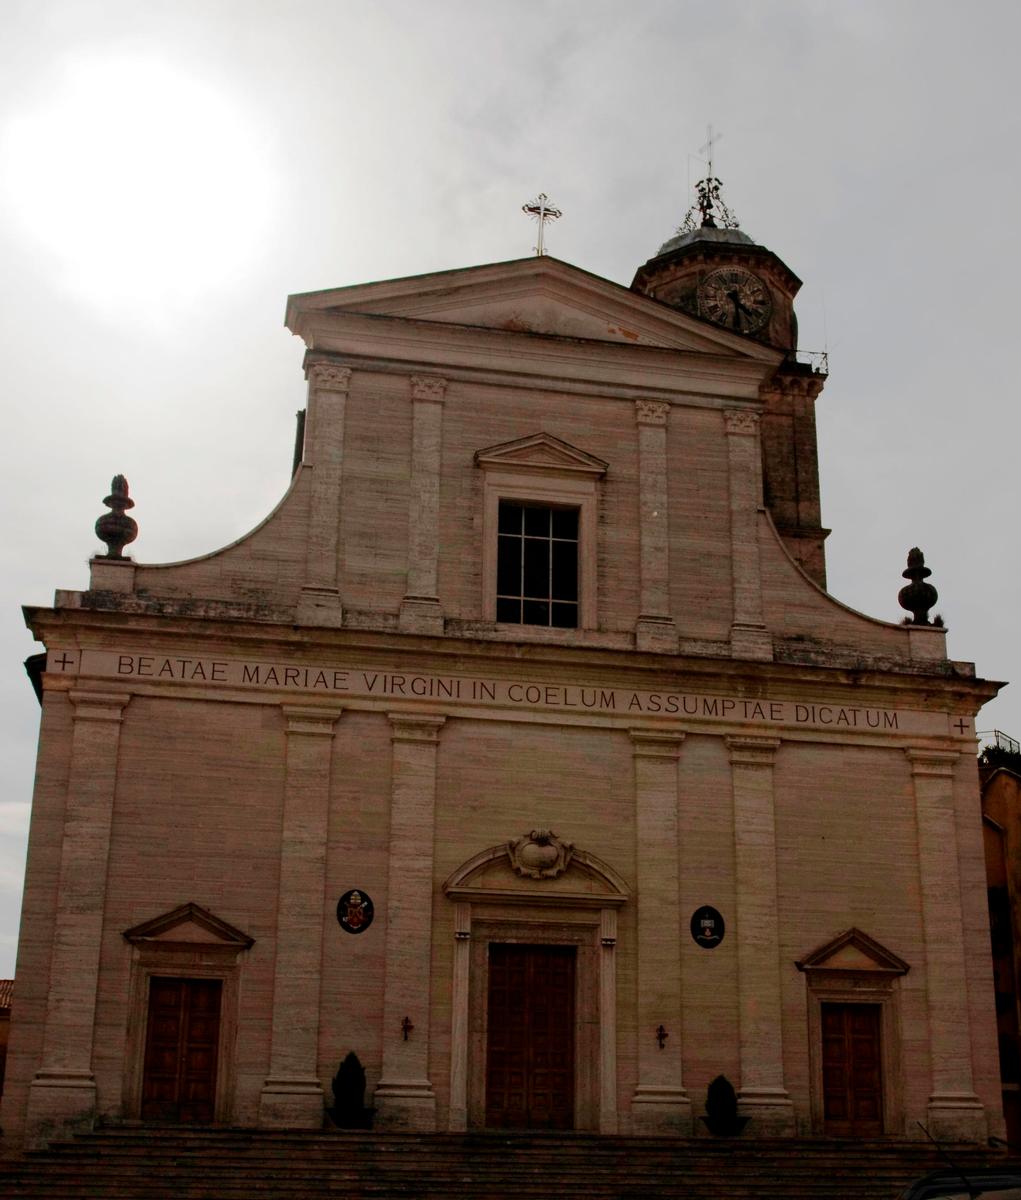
233	1164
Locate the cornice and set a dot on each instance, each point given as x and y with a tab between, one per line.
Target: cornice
405	346
892	685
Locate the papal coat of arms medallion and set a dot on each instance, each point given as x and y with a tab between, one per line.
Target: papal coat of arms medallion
355	911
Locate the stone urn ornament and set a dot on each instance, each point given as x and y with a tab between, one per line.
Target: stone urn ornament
116	528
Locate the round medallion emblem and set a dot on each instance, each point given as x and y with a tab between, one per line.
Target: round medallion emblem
707	927
355	911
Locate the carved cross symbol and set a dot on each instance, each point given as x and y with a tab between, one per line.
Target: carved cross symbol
64	661
962	726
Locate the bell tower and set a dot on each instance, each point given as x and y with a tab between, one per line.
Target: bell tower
715	272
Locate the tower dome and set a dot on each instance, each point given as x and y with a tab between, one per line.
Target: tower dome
713	270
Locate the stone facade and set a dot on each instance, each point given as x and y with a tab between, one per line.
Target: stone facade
231	744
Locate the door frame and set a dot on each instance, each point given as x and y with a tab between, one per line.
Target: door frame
182	1031
586	1014
574	903
855	969
138	1027
878	1010
187	943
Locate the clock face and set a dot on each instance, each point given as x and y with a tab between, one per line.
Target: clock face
735	299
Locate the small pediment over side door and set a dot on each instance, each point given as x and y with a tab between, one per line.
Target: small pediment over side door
855	951
188	925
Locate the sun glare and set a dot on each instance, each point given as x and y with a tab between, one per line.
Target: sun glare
145	185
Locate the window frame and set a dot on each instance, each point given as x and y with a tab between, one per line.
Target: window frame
561	550
548	489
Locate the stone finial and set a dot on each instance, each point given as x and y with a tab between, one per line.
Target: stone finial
918	596
114	527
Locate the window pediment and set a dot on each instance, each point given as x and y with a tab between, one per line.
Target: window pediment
541	453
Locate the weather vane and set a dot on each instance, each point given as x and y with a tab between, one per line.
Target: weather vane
541	209
709	205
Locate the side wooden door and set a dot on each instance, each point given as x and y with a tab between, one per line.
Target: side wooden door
852	1070
181	1044
530	1042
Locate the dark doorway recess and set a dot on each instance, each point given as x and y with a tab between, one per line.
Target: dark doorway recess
530	1043
852	1070
182	1035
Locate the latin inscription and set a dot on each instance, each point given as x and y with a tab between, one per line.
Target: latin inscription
390	685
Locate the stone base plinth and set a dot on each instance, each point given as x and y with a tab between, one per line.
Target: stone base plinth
60	1103
656	635
770	1111
956	1117
663	1110
321	607
751	641
405	1104
291	1104
421	614
111	574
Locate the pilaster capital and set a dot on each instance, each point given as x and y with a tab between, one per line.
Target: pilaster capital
747	751
651	412
313	720
741	421
413	727
98	706
428	387
327	376
938	764
655	743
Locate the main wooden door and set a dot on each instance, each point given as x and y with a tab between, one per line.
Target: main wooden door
852	1076
181	1040
530	1042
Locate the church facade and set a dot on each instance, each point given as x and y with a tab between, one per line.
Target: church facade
520	750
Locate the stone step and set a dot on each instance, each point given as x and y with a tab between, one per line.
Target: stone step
202	1164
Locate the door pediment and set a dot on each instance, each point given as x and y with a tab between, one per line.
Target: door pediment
188	925
538	867
855	951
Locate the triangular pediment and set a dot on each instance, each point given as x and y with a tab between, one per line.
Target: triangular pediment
853	950
188	925
540	452
532	296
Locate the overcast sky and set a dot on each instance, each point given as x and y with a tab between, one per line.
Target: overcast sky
169	172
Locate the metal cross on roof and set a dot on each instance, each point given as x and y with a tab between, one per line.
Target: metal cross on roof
542	210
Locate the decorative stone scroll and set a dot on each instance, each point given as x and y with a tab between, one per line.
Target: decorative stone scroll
540	855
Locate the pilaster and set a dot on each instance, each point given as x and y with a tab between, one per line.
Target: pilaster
328	385
292	1096
459	1019
420	608
655	630
660	1103
955	1112
404	1097
749	637
762	1095
62	1096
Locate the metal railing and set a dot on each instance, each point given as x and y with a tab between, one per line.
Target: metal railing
1001	740
818	360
